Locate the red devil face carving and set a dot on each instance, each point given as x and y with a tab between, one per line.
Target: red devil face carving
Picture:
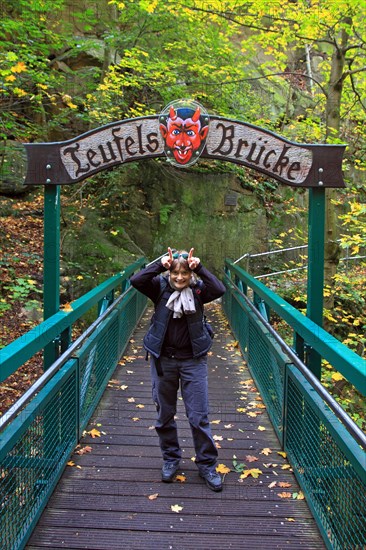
183	136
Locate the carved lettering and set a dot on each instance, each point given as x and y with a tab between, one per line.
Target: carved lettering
90	154
152	142
72	152
226	139
102	149
295	167
259	153
118	140
111	145
241	143
267	164
282	161
129	141
259	149
139	135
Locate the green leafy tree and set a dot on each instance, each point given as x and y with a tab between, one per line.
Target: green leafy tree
319	47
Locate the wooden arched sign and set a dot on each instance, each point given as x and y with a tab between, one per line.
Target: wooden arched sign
298	165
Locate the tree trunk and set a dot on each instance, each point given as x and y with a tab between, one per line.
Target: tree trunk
333	114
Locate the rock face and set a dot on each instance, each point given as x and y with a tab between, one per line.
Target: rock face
12	168
144	208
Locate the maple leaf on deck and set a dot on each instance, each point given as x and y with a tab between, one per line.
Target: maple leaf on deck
254	472
84	450
181	478
266	451
94	433
222	469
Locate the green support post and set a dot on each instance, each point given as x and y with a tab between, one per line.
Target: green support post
315	268
51	266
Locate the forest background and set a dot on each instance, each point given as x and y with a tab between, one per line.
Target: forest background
295	67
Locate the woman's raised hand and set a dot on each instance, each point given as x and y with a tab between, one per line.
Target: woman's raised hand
193	262
167	260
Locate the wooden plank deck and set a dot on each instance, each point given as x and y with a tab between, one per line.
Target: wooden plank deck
103	502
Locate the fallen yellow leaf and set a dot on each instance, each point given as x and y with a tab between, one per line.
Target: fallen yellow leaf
181	478
261	428
222	469
298	496
254	472
266	451
94	433
176	508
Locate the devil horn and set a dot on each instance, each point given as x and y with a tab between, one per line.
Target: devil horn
172	113
196	115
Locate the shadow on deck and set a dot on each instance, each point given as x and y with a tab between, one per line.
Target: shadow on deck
112	498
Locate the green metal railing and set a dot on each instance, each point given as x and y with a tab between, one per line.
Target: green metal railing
326	449
39	433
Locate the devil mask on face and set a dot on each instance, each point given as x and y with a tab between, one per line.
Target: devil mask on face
184	134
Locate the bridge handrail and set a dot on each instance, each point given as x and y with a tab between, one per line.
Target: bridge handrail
23	348
49	373
351	426
344	360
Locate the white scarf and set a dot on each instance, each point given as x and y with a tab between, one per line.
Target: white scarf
181	301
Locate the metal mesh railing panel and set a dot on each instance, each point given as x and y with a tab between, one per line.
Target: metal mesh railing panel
36	444
326	467
99	356
35	448
259	349
96	360
238	316
268	371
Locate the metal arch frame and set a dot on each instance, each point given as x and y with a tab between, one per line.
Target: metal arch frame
315	166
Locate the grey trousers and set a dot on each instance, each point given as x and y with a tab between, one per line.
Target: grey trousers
191	375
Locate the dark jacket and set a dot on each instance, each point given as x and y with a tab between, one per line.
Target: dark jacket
184	337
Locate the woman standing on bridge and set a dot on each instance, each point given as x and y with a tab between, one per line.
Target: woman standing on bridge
178	341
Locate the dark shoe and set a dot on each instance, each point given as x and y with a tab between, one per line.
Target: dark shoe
168	471
213	480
